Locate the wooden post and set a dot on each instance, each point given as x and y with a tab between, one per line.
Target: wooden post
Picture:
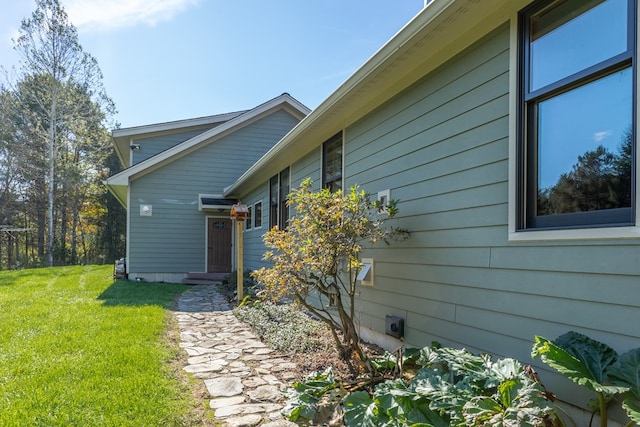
239	213
240	277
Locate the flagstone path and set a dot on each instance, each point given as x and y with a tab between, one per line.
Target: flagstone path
243	376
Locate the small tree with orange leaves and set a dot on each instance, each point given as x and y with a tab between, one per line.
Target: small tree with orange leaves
316	259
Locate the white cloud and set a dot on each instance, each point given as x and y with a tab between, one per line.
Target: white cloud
599	136
109	14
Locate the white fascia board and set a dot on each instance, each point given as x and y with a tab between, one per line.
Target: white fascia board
178	124
122	138
120	192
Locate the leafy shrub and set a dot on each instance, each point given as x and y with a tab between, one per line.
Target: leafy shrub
304	398
284	327
454	388
597	367
441	387
316	259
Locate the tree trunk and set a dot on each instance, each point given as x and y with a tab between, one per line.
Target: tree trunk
74	234
63	223
9	250
52	159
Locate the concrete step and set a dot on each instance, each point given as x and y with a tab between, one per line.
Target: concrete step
189	281
207	276
201	278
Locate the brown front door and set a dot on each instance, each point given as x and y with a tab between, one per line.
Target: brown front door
219	245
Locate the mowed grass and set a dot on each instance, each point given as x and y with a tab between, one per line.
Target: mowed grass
77	349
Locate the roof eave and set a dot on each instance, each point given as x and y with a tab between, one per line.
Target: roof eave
122	138
120	192
285	101
435	34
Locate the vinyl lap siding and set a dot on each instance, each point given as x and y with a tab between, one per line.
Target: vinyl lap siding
442	149
173	239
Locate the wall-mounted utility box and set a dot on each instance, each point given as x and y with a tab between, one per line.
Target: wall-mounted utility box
394	326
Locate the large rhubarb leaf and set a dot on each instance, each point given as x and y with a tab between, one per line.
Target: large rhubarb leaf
393	405
633	410
626	372
361	411
582	362
595	355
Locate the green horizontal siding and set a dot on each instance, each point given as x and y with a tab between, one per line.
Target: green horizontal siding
441	147
252	244
151	146
307	167
173	238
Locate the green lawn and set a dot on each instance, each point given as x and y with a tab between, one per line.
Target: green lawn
77	349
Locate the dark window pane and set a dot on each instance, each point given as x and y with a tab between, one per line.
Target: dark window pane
584	147
273	201
332	164
570	36
284	194
258	215
249	219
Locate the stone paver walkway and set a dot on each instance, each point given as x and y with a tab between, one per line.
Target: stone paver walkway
243	376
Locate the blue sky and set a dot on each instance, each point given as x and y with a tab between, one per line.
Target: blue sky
166	60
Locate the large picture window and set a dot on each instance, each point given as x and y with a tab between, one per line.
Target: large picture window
576	154
332	163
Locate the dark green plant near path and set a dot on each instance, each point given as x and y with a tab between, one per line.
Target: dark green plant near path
597	367
440	387
455	388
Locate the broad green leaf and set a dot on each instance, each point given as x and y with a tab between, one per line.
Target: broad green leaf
411	355
460	361
421	415
444	396
626	372
355	406
501	370
572	367
405	406
596	356
508	391
361	411
633	409
480	410
520	404
384	362
392	397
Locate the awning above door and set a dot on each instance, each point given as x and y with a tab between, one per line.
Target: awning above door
215	202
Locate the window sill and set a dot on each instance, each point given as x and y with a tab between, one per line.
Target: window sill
576	234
